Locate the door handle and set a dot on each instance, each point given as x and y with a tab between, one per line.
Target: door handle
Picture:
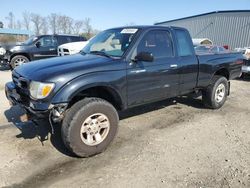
51	49
173	66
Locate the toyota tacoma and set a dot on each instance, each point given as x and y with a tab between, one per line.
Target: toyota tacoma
118	69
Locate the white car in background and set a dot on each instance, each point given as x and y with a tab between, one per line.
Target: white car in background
71	48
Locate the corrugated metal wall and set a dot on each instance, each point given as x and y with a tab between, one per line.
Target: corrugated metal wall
223	28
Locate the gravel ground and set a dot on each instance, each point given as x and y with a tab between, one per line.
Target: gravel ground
173	143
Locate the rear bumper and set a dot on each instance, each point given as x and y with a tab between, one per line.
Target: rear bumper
35	109
246	69
246	66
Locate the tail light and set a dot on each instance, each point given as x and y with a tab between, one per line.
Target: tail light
239	62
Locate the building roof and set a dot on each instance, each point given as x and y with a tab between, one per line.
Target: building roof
214	12
15	31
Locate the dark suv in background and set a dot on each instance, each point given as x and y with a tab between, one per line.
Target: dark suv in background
36	47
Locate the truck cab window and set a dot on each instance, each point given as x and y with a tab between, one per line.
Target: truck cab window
159	43
64	39
183	43
47	41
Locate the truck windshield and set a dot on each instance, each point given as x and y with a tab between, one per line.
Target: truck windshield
30	40
112	42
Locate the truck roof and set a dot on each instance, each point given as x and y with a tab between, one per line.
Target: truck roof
70	35
148	27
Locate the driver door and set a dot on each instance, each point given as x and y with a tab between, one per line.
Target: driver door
45	47
152	81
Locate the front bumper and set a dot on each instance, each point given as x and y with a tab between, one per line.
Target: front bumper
3	60
33	108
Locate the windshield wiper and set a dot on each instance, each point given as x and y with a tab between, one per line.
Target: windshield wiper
100	53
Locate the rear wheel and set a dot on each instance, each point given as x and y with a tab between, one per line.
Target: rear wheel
89	126
216	93
18	60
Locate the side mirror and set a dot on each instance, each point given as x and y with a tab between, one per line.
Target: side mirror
38	44
144	56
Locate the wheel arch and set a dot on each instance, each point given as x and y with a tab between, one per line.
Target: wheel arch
223	72
23	54
73	94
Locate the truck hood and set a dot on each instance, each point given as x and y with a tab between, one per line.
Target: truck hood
12	45
63	69
74	45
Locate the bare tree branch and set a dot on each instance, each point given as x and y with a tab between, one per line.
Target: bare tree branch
45	28
37	21
18	24
11	20
78	25
65	24
26	20
87	27
53	22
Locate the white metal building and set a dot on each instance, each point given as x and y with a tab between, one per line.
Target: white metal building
222	27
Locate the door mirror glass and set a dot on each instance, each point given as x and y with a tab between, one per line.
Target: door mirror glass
144	56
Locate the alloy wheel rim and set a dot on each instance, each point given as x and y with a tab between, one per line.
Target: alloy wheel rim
220	93
19	61
95	129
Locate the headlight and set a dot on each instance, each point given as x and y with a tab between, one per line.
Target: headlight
39	90
2	51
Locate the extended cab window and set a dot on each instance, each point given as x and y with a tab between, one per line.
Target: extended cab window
159	43
183	43
64	39
47	41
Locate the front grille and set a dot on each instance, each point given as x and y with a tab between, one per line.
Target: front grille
22	87
63	52
20	81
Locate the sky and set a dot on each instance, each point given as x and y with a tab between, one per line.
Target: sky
112	13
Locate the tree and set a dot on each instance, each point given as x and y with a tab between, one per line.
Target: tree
18	24
26	20
37	21
11	20
65	24
44	28
87	27
53	22
78	25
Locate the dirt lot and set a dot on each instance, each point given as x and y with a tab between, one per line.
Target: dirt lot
174	143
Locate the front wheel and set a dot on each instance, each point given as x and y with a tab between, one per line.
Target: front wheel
89	126
18	60
215	95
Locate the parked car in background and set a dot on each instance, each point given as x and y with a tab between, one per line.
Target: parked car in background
118	69
202	41
71	48
210	49
35	48
246	66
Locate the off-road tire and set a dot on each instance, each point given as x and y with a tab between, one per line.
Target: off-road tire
208	95
74	119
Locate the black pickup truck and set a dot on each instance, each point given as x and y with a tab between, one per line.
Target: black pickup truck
36	47
120	68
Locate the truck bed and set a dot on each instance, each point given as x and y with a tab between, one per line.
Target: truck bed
211	63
